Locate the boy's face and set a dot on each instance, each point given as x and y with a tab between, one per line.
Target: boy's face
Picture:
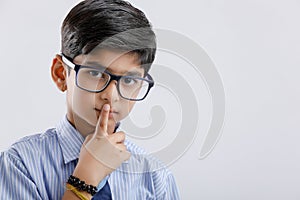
83	107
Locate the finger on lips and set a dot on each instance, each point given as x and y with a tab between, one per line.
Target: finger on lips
101	128
104	116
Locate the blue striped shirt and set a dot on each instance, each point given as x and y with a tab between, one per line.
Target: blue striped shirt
38	166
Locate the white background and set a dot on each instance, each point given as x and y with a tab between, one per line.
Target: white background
256	48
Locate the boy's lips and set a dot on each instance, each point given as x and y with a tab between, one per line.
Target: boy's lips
111	112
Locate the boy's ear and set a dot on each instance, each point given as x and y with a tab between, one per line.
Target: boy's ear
58	73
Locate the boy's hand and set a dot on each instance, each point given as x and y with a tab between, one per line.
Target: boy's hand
107	149
101	153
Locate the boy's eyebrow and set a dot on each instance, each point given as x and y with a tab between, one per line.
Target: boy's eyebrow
102	67
134	73
94	64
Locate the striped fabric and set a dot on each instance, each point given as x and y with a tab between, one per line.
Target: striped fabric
38	166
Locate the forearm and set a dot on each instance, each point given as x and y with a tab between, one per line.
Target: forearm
89	172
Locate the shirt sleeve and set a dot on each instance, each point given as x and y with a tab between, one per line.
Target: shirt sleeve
165	185
15	181
171	190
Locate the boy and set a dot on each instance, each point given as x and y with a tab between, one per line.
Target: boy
107	49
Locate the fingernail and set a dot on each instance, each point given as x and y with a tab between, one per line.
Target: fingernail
106	107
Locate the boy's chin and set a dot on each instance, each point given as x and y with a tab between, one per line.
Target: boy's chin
85	126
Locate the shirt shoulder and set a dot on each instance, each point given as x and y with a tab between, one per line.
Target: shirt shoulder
34	143
155	180
36	164
142	158
34	147
134	148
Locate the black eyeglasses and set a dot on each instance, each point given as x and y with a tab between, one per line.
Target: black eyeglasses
96	79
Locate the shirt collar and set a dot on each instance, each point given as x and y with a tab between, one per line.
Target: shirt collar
70	140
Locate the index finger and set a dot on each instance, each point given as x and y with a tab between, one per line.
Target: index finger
101	128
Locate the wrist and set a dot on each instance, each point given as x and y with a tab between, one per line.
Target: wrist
90	174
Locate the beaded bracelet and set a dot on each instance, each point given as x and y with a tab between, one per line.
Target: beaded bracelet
81	185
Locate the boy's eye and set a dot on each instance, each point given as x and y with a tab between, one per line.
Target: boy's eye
129	80
95	73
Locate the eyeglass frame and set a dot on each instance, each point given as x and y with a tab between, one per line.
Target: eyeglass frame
112	77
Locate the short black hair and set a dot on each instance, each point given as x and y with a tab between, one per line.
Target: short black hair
112	24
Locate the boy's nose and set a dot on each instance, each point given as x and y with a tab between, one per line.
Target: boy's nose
110	94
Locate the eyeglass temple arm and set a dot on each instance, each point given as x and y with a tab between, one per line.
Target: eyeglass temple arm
67	61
